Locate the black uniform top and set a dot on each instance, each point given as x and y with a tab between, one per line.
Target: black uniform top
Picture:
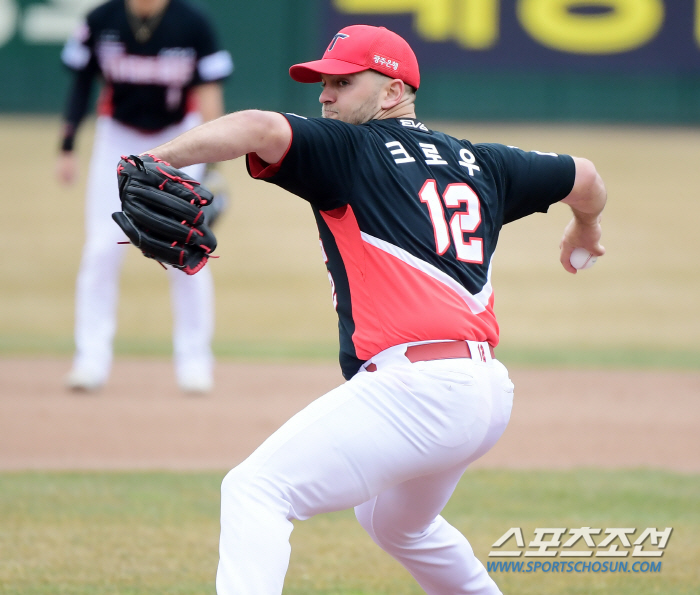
147	84
409	219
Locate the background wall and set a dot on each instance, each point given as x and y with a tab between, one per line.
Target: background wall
560	60
505	66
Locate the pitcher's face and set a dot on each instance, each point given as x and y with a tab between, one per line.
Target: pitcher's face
352	98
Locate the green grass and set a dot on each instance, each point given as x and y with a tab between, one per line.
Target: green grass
562	357
601	357
28	345
147	533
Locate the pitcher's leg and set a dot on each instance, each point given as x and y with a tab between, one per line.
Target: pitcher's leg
298	471
374	432
405	522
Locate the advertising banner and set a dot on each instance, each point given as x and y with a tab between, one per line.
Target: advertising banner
626	36
593	60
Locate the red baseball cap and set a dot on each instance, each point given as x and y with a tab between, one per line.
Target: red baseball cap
362	47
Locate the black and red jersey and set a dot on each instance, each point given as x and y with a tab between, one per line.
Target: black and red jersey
409	219
147	84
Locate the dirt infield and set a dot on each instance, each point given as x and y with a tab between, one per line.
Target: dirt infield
561	419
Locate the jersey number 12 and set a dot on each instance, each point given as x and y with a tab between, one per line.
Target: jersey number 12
462	222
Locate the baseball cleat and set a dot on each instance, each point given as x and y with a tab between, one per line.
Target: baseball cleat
196	384
84	381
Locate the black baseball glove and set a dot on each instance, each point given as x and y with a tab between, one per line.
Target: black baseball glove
162	213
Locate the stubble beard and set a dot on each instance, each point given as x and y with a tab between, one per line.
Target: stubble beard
365	112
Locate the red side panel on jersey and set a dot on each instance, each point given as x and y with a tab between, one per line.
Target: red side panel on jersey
105	106
394	302
191	102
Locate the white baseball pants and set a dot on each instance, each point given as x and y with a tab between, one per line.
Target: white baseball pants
392	444
98	279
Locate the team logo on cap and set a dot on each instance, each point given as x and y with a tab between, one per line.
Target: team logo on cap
336	37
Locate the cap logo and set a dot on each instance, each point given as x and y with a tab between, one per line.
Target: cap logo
386	62
336	37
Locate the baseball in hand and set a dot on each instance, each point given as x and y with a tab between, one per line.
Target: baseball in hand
582	259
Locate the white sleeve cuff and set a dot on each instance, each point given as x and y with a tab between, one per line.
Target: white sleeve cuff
75	55
215	66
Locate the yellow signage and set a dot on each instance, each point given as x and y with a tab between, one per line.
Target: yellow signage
612	26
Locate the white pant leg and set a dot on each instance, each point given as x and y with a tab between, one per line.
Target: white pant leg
192	300
378	431
98	279
97	287
405	522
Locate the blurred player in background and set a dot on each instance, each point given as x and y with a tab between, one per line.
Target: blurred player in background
162	70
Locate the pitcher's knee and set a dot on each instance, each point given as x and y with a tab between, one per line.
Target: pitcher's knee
363	513
237	484
242	487
390	533
391	538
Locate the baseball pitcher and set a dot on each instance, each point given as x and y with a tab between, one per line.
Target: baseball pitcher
409	219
